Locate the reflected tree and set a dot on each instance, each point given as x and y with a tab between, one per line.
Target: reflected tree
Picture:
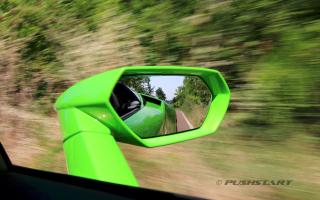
139	84
160	94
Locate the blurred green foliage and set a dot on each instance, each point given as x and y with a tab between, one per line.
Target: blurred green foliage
264	46
269	51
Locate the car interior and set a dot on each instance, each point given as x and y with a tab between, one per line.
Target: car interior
124	101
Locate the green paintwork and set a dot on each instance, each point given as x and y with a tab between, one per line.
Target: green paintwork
90	125
91	150
152	119
148	120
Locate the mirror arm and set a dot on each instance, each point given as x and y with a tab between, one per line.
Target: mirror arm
91	151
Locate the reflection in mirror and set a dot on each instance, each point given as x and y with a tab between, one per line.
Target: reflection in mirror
157	105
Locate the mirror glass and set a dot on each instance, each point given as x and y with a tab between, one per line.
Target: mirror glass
157	105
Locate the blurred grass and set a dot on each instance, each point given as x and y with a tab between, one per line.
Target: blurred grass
240	157
267	50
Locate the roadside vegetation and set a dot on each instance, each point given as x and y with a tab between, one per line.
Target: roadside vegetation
193	98
170	121
267	50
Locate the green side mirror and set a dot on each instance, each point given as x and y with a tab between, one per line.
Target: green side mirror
147	106
159	105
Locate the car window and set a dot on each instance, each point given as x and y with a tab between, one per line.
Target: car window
123	98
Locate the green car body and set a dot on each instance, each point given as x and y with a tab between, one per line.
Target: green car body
155	115
151	119
151	115
148	117
91	126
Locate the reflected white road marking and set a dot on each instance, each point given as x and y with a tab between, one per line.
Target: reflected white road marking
188	122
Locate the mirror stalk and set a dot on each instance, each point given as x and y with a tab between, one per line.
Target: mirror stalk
91	151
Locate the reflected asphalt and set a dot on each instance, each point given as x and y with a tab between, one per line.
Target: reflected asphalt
183	124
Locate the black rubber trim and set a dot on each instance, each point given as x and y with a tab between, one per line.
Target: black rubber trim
129	114
150	99
5	157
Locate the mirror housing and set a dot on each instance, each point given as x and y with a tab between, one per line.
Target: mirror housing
91	97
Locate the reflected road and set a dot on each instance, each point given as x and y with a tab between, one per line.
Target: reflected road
183	124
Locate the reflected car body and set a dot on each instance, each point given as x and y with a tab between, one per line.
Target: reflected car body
146	115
